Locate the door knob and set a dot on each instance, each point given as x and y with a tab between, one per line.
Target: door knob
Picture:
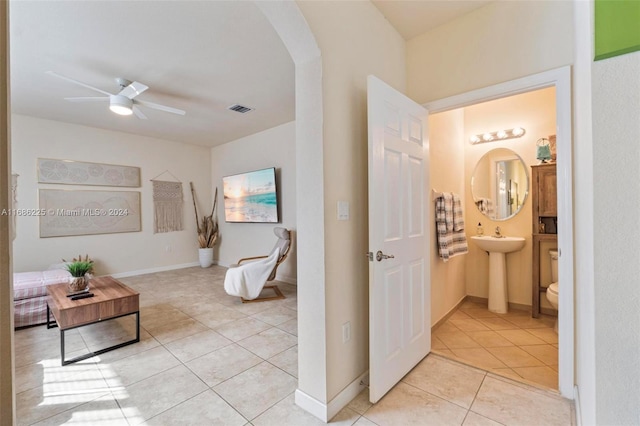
380	255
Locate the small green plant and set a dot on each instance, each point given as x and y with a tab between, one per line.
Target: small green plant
79	268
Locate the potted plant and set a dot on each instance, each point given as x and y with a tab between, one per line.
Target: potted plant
80	270
207	231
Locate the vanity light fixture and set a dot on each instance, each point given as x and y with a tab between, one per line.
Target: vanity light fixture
516	132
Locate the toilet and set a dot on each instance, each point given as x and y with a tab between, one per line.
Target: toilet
552	290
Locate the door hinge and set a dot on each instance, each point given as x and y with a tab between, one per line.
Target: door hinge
369	255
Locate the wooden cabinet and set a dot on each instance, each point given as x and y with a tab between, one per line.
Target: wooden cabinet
544	226
545	198
547	193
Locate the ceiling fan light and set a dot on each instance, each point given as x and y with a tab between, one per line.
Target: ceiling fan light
120	104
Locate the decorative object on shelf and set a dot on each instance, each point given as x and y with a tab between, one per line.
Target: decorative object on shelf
541	227
167	205
77	212
516	132
207	230
80	271
543	150
72	172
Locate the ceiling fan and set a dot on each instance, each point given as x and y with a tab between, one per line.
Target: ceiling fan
123	102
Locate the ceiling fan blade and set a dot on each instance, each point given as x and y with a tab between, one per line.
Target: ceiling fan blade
88	99
139	113
160	107
79	83
133	90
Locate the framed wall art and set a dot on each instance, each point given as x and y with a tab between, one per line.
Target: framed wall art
251	197
71	172
617	28
77	212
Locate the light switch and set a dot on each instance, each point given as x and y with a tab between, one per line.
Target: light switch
343	210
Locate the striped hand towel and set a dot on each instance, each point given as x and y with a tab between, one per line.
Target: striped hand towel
451	238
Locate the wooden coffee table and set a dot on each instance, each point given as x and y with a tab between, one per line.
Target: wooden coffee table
112	299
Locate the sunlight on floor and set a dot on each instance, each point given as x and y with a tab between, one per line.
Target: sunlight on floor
94	389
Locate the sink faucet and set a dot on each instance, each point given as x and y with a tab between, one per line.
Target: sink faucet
498	234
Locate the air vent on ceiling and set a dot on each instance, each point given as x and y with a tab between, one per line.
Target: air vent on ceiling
240	108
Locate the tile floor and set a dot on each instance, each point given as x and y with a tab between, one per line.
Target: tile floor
206	358
512	344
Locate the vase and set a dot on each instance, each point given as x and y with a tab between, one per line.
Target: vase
77	284
206	257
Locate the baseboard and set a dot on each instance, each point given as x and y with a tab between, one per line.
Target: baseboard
448	314
476	299
549	311
347	394
515	306
576	405
287	279
518	306
311	405
152	270
326	412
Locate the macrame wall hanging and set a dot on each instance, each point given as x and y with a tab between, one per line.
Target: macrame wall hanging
167	205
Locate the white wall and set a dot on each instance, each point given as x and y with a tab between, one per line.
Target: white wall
355	41
446	174
501	41
583	165
34	138
616	133
536	113
271	148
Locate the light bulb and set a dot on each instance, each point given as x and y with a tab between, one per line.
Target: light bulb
122	110
474	139
518	131
120	104
502	134
487	137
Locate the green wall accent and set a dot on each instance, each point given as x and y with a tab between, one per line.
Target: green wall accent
617	27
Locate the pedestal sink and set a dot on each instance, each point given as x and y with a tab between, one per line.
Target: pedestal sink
498	248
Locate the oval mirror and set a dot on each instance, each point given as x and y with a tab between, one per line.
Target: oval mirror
500	184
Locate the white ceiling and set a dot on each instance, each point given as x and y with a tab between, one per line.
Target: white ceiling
414	17
199	56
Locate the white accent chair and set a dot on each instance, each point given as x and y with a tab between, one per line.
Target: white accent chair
250	275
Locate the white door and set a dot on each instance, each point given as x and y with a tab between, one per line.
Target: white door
399	285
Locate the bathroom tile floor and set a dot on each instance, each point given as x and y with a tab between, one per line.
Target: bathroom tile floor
512	344
206	358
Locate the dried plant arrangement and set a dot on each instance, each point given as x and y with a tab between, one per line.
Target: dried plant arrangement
207	227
